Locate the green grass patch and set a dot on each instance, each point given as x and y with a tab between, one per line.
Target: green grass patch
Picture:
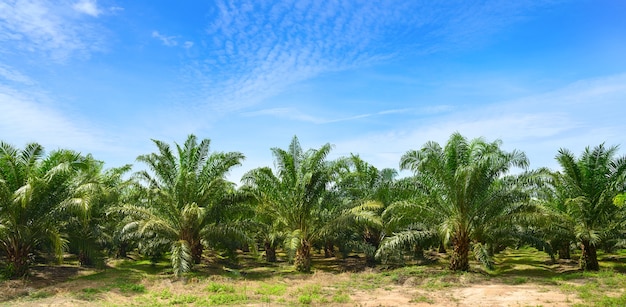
271	289
215	287
341	298
184	299
226	299
131	288
88	294
305	299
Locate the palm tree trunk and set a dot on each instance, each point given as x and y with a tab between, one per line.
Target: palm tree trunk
270	252
196	252
564	252
303	257
84	258
418	252
459	261
17	259
589	258
121	251
329	249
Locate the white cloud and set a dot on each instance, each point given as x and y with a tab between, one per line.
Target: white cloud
46	28
13	75
89	7
29	115
169	41
29	120
187	44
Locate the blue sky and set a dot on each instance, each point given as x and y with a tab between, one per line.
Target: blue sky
376	78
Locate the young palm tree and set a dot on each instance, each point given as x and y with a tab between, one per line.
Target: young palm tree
186	199
32	186
295	195
587	187
467	193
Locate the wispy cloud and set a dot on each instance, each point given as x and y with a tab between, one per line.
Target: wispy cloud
29	114
49	28
31	118
89	7
10	74
257	49
169	41
297	115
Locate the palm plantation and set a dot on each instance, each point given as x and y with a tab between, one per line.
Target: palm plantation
182	207
183	199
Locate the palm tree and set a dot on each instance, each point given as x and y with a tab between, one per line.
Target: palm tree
367	192
295	195
267	229
467	194
587	187
186	200
89	227
32	187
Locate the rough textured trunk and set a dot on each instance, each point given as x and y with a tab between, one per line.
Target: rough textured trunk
588	258
418	252
372	239
84	259
303	257
270	252
121	251
196	250
329	249
17	259
564	252
459	261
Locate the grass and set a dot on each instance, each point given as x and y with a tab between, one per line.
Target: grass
220	288
142	283
271	289
422	299
88	294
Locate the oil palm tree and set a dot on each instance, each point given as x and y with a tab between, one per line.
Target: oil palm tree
467	194
185	200
295	195
89	227
367	191
586	188
32	187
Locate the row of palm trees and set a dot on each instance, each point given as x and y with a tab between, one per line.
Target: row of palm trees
469	196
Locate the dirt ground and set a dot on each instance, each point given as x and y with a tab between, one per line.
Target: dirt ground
484	293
